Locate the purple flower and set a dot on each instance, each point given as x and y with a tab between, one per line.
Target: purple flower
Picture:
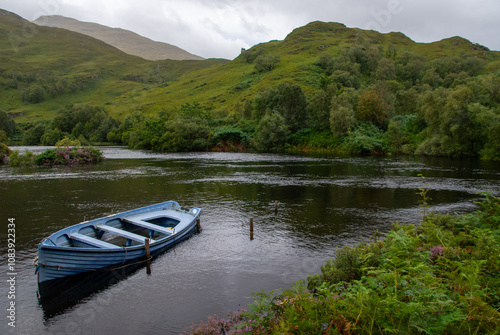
436	251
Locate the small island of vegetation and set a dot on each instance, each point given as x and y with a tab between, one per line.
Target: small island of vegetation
67	152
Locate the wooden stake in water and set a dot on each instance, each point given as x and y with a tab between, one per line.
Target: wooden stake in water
198	225
148	256
251	229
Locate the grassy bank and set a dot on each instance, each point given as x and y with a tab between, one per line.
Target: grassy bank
442	277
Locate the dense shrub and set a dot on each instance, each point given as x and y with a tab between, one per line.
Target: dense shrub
69	156
17	159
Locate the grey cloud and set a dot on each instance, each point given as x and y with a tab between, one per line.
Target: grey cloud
219	28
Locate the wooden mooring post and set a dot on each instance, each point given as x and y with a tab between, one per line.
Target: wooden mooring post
198	225
251	228
148	256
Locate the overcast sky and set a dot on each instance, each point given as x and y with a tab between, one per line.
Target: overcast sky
220	28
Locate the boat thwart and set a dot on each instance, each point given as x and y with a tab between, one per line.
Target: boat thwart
114	241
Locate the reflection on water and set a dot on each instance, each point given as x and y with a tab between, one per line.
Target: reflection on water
324	203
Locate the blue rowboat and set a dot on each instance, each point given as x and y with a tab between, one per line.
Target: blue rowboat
115	241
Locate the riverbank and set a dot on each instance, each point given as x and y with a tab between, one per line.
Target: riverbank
440	277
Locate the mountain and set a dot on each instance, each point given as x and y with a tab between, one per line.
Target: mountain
44	68
238	81
125	40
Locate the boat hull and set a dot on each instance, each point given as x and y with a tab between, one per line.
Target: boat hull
55	261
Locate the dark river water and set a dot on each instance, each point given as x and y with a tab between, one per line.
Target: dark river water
323	203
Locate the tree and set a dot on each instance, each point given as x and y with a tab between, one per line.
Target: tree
346	73
406	101
386	70
432	78
33	135
371	108
271	132
326	62
51	137
34	94
184	134
395	137
454	123
342	120
409	67
288	99
266	62
318	109
7	124
345	79
292	103
490	123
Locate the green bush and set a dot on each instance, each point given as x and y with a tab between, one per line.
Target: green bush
345	267
69	156
17	159
366	139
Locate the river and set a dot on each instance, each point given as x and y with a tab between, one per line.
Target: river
323	203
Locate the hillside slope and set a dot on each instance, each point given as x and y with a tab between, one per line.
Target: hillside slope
44	68
125	40
238	81
73	68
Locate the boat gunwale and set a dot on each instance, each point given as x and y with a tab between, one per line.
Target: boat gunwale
175	207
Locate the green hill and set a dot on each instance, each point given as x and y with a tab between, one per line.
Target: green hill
237	81
125	40
44	68
74	68
325	87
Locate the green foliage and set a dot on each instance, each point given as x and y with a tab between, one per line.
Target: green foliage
345	267
288	100
51	137
230	138
439	99
455	123
4	149
266	62
365	139
342	120
250	55
423	192
69	156
318	109
91	122
17	159
33	135
186	134
271	132
186	130
371	108
7	124
66	142
312	140
34	94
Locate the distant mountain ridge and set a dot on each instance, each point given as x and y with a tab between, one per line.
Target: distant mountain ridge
125	40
